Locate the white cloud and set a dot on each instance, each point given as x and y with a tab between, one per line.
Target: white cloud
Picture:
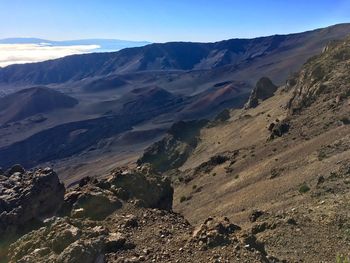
26	53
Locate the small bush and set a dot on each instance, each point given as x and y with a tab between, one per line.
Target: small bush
183	199
321	155
304	188
223	116
342	259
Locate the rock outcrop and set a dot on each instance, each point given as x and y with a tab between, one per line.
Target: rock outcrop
28	196
324	78
214	232
263	90
96	199
173	150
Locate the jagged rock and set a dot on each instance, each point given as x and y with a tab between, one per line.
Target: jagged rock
278	129
255	215
215	160
15	169
173	150
82	251
263	90
214	232
323	78
96	199
153	190
64	240
95	204
28	196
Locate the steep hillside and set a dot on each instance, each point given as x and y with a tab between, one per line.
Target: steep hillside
32	101
275	53
282	167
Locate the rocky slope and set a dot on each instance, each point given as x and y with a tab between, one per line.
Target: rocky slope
287	158
280	171
125	217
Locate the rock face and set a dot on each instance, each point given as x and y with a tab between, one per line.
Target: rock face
263	90
324	77
125	217
96	199
173	150
278	128
28	196
64	240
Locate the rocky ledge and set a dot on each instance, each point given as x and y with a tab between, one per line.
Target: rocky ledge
125	217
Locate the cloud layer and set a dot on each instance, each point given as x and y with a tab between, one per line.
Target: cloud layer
27	53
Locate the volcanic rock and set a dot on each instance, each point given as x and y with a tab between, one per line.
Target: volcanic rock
28	196
263	90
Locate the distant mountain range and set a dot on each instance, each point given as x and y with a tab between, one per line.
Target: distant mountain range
127	99
104	44
246	59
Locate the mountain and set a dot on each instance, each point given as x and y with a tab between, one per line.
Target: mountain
281	167
261	184
141	91
33	101
244	56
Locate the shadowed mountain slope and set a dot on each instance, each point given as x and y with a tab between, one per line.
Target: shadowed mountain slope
32	101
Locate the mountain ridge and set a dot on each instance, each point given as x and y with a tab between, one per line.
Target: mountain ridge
168	56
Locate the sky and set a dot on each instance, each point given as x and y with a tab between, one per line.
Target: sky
166	20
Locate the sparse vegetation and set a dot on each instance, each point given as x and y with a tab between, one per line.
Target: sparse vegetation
223	116
304	188
321	155
183	199
342	259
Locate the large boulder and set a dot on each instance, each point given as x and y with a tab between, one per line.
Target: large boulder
96	199
62	240
28	196
263	90
151	189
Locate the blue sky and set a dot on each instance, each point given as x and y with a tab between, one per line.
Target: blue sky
166	20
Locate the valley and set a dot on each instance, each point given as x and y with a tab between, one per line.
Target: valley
234	151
